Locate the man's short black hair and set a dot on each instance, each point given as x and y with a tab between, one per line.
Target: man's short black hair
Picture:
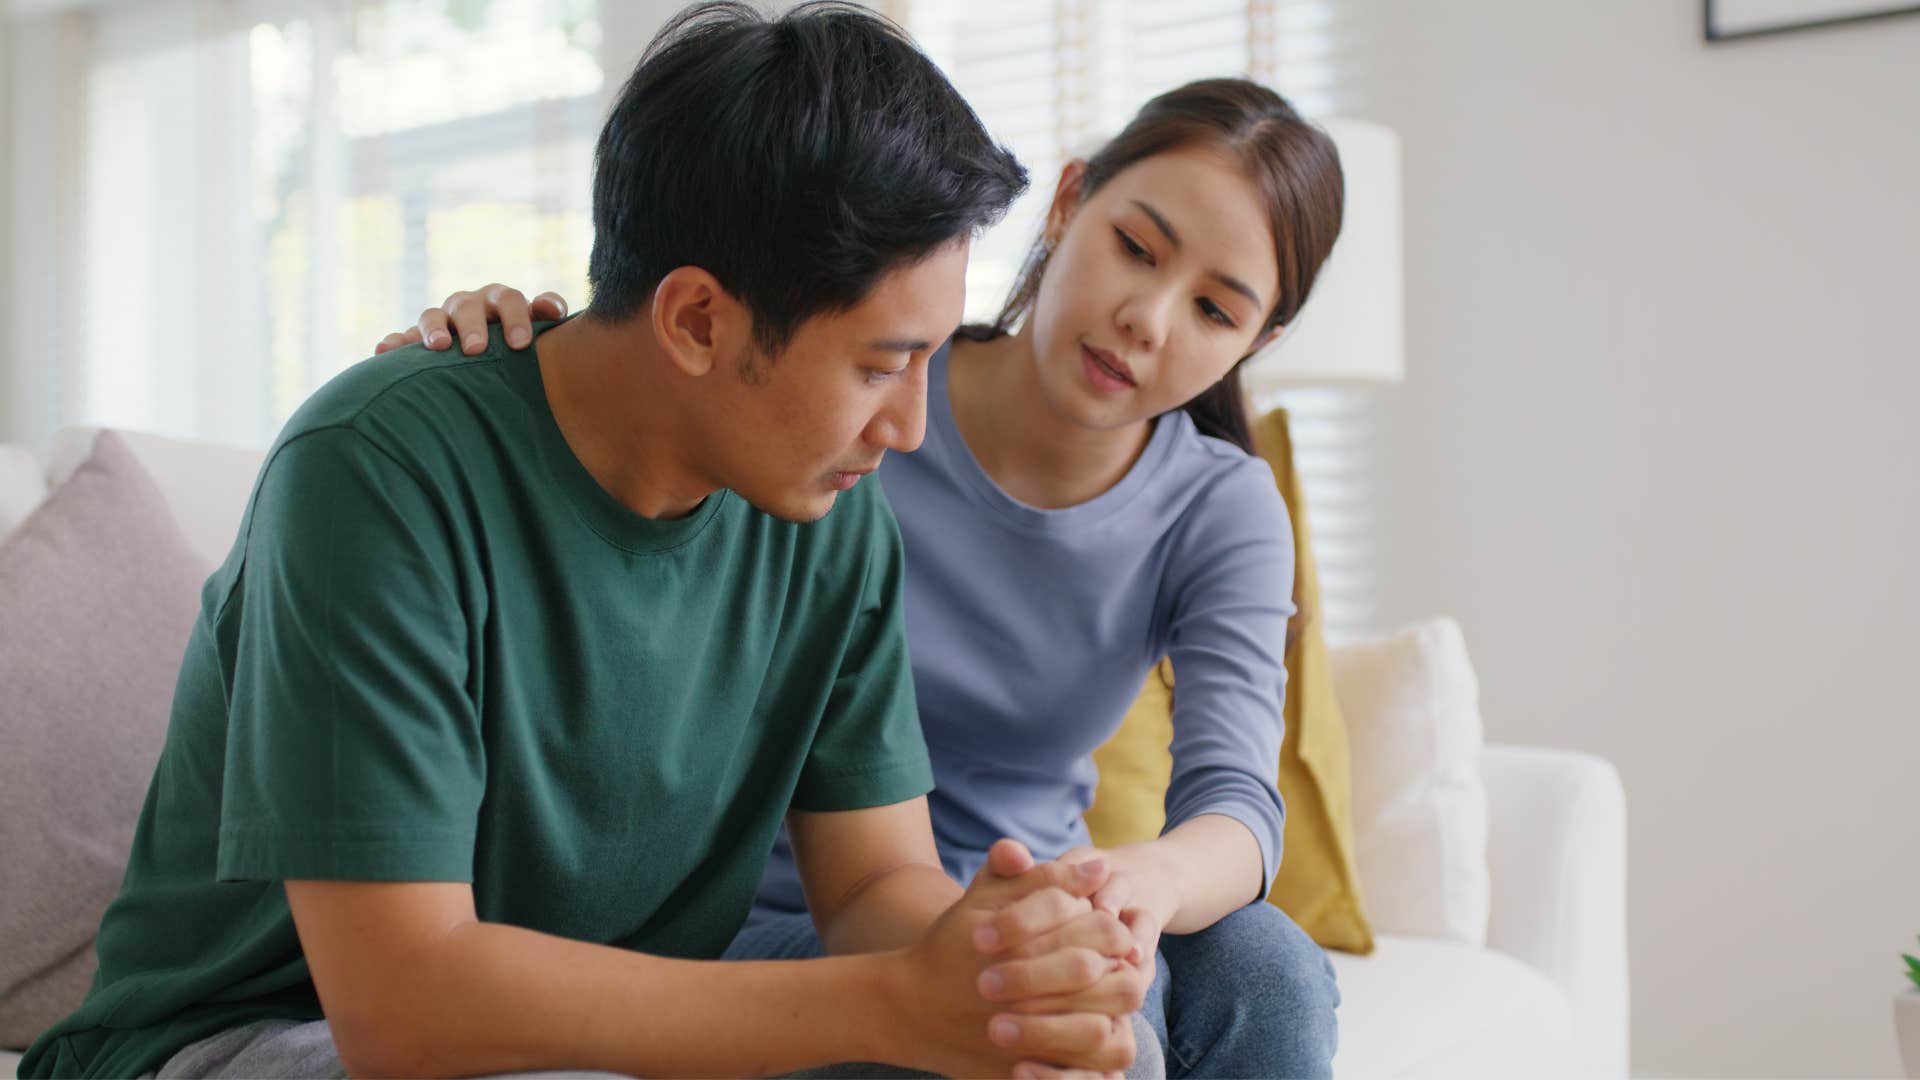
797	159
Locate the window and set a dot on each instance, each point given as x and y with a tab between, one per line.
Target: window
260	190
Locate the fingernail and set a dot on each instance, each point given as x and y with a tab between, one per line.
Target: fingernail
992	983
1021	1072
1003	1030
1091	869
439	339
475	341
986	937
519	338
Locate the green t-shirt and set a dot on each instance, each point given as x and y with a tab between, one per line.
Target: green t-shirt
440	651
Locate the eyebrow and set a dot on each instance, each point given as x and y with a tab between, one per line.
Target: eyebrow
1173	238
906	345
1165	227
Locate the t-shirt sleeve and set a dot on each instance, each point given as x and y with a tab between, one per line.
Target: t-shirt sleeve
1227	641
354	749
869	750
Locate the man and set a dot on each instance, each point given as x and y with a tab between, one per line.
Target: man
520	659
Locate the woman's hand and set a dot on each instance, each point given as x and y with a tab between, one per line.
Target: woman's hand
466	314
1139	894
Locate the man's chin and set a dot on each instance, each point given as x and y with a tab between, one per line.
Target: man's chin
796	510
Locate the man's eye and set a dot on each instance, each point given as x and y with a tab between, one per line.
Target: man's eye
877	375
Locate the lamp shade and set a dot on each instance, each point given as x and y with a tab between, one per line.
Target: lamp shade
1351	329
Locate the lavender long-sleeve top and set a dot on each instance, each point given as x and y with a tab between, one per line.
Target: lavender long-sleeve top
1031	632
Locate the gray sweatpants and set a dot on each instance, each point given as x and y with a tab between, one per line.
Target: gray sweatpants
294	1050
274	1050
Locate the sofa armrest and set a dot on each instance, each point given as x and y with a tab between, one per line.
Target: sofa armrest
1556	853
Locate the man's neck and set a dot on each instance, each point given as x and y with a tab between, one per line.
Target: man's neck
609	393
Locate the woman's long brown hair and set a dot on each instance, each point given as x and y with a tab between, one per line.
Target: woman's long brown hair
1292	163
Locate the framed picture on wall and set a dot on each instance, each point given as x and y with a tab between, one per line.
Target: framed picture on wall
1730	19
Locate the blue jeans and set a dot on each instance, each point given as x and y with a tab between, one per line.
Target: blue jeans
1251	995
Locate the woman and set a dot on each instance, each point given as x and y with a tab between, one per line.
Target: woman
1085	503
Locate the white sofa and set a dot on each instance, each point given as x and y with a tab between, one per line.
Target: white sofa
1546	997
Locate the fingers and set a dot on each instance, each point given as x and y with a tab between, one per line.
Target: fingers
1027	918
1079	880
1009	858
1067	980
1073	1040
432	327
1029	1070
1115	895
1040	1070
516	322
465	315
1063	971
1119	992
394	341
1101	931
1146	935
468	312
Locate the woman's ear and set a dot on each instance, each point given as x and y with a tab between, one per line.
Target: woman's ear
1066	200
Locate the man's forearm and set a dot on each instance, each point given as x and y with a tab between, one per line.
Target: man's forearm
489	998
890	911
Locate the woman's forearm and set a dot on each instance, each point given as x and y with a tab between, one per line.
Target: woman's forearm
1211	866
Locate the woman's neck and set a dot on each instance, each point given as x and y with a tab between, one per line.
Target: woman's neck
1035	454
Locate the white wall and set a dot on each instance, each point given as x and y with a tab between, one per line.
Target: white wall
6	225
1659	451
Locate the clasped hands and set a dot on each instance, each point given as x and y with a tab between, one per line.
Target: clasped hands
1047	958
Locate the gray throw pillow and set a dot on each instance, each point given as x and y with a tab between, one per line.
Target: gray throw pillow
98	593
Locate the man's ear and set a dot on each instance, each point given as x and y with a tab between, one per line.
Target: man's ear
695	320
1066	200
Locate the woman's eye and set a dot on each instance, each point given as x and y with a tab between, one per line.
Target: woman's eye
1216	313
1133	248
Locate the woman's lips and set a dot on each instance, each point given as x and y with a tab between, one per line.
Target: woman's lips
1105	370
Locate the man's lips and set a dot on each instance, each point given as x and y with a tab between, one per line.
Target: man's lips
844	479
1112	363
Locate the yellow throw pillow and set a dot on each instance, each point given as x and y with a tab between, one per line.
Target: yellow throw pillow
1317	885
